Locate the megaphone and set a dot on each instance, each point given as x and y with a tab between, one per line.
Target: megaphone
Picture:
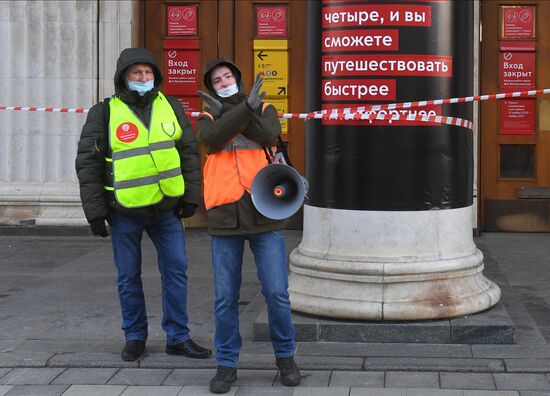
278	191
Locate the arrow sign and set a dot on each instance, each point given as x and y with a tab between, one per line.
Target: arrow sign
261	55
282	91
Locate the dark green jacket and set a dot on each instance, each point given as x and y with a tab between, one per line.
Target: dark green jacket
240	217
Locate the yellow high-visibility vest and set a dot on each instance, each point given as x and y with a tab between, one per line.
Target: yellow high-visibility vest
146	163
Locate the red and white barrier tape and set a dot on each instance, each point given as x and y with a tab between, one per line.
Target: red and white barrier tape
46	109
367	112
409	105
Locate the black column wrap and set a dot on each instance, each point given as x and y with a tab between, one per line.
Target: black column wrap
396	168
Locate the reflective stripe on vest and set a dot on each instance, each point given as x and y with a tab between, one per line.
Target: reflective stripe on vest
146	163
230	172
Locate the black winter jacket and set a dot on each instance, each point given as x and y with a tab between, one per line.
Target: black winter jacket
240	217
94	172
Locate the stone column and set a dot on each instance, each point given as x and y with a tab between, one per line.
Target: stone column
388	220
56	54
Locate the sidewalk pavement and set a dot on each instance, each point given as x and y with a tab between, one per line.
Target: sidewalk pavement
60	330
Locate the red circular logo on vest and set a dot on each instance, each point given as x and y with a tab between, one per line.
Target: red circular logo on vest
127	132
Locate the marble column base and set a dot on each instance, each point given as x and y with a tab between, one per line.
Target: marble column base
428	295
384	266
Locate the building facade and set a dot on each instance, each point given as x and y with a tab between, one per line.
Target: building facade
62	54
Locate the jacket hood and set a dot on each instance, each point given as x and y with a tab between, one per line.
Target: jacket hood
131	56
221	62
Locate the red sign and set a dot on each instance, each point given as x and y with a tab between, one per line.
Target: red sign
358	90
517	66
518	22
181	62
387	65
127	132
190	103
182	20
517	117
377	15
271	21
361	40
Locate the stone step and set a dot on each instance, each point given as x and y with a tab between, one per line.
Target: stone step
493	326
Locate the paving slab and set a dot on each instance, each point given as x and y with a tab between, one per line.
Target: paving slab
174	361
4	371
31	376
332	363
24	359
255	378
55	345
527	365
309	378
95	390
256	391
141	376
383	349
37	390
377	392
9	345
151	390
433	392
89	360
489	393
203	391
358	379
521	381
434	364
534	393
310	391
396	379
479	381
84	376
4	389
511	351
190	377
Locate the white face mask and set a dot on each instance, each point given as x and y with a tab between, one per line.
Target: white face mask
228	91
141	87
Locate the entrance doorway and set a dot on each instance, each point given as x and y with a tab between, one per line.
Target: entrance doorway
258	36
514	165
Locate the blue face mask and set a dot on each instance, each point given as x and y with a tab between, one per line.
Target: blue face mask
141	87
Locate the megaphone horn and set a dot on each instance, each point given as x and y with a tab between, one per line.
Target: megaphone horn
278	191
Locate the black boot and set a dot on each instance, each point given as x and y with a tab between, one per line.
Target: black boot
133	350
188	348
290	375
225	376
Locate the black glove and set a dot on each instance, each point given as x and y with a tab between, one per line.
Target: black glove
185	210
99	227
215	104
255	97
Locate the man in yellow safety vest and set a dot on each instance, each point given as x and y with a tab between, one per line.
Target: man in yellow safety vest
138	168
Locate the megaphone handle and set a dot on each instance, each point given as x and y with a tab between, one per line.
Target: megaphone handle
281	146
268	154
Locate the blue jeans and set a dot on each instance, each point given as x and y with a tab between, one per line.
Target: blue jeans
270	257
166	232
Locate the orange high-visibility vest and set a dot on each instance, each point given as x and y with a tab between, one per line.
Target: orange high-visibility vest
230	172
